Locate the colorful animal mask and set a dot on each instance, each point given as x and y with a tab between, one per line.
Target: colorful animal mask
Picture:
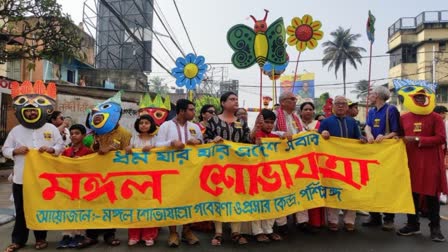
105	116
156	108
417	96
33	103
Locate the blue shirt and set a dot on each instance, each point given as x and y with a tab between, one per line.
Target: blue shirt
376	120
341	127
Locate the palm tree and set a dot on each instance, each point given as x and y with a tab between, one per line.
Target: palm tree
361	89
340	50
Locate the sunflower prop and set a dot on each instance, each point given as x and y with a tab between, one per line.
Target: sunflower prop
303	33
189	71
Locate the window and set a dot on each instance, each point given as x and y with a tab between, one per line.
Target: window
409	54
13	70
71	76
442	46
395	57
48	70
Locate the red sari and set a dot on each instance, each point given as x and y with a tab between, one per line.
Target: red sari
316	216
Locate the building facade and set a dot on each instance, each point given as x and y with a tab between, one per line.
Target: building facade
418	50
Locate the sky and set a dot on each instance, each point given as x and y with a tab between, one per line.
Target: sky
207	22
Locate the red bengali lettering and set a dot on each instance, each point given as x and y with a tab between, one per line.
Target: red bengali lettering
96	185
331	165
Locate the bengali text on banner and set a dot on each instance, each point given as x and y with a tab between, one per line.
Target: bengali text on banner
225	182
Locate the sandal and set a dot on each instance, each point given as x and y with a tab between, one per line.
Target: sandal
112	241
217	240
262	238
239	239
87	242
275	237
13	247
41	244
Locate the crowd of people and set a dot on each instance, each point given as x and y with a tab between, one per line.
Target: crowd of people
423	134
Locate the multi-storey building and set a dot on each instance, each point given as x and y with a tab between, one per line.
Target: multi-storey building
418	50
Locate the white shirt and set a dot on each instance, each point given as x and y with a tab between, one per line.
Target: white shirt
137	142
168	132
47	135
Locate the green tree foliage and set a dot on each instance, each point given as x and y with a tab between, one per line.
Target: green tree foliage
361	89
37	29
207	100
320	102
341	50
156	86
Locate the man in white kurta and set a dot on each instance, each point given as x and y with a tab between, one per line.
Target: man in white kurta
19	141
177	133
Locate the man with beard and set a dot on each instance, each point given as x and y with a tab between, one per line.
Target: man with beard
32	104
176	133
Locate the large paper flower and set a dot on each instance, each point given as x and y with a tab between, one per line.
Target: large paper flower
189	71
304	33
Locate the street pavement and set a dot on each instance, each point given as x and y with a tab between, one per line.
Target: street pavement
363	239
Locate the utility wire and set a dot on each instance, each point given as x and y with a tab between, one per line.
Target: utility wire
185	28
115	13
167	23
349	83
164	26
319	60
149	25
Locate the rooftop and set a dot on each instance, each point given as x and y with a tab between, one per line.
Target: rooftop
412	23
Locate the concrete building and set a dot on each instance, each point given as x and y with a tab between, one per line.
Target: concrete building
418	50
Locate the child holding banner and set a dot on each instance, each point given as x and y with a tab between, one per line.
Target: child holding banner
71	238
263	229
144	139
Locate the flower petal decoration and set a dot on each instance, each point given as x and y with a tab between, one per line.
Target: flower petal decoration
189	71
274	71
304	33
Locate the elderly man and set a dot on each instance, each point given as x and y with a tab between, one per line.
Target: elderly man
340	125
383	122
288	122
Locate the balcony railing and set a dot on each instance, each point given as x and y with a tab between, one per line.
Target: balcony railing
411	23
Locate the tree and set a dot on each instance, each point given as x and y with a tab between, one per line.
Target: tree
37	29
361	89
340	50
207	99
157	87
320	102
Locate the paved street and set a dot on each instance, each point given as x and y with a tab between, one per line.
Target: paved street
364	239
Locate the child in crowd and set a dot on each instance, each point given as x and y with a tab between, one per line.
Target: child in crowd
263	229
71	238
144	139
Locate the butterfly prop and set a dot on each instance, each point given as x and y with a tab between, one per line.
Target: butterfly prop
260	44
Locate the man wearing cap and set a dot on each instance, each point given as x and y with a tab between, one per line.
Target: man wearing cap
383	122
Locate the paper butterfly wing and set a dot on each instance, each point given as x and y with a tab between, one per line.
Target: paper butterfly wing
276	40
241	39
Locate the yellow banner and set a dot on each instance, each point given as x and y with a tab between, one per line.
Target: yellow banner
226	182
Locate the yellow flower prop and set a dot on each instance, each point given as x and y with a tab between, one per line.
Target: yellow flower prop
304	33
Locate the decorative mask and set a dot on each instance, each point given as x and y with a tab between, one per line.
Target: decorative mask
105	116
33	103
416	95
156	108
